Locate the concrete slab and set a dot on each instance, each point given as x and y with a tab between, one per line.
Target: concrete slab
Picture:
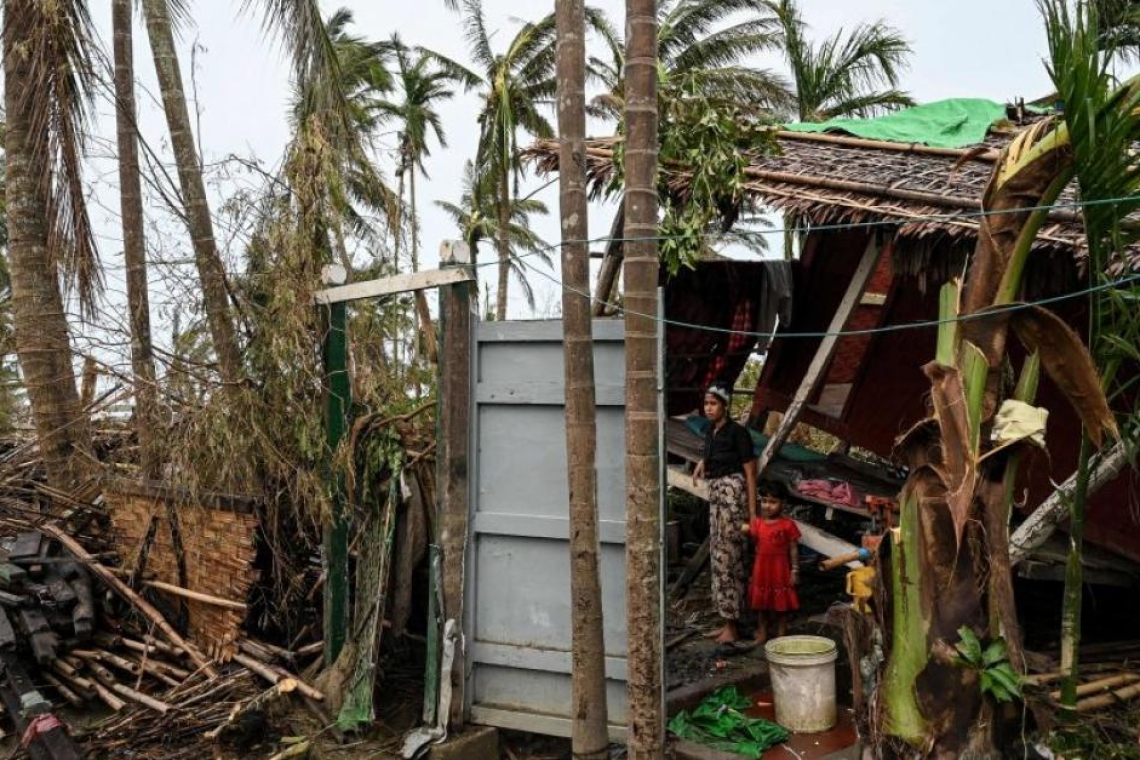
474	743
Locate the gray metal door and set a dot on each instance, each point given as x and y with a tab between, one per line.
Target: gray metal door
518	565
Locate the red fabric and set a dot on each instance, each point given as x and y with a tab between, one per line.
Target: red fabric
40	724
771	587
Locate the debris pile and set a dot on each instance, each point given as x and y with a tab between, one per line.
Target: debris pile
77	630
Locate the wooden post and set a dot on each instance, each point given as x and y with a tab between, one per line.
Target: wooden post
338	396
823	354
453	452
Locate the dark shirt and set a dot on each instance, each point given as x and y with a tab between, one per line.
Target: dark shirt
727	450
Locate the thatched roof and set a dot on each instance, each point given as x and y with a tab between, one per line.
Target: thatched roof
829	179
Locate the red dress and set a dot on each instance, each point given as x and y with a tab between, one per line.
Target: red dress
771	588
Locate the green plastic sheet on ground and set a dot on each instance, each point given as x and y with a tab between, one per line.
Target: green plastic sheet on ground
953	123
718	722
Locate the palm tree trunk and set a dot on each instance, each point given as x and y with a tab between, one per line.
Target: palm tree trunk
415	221
504	241
134	247
588	679
43	345
642	467
399	217
214	291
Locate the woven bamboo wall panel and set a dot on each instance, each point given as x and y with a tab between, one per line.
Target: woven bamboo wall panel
219	551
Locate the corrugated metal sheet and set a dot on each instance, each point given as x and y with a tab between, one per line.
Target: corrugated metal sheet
518	565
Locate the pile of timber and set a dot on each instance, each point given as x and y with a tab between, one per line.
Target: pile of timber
74	632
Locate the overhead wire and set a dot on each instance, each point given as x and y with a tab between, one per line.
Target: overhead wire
1006	308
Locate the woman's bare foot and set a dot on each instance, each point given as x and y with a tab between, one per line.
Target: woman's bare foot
728	634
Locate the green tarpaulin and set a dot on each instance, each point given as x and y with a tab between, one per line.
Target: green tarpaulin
953	123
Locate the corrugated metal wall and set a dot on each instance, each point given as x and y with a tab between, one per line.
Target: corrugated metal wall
518	565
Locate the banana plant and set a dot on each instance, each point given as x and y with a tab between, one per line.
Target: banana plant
947	565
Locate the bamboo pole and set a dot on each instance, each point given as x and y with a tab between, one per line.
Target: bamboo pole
110	699
274	675
197	596
131	598
64	691
1102	684
1110	699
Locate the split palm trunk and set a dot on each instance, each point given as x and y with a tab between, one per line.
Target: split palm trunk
215	293
43	343
134	244
947	566
642	468
588	681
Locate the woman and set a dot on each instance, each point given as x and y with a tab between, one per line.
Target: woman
729	465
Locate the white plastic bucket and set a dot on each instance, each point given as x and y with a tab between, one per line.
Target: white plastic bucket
802	669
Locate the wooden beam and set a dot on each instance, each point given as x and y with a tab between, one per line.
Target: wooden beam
400	283
453	460
823	354
810	536
1044	520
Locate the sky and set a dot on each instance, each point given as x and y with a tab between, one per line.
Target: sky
239	81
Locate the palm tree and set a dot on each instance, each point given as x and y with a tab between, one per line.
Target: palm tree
514	85
642	465
422	83
477	216
707	49
335	177
134	243
588	647
702	49
47	64
301	27
853	74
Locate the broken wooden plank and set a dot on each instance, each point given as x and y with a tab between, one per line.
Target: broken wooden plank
823	354
400	283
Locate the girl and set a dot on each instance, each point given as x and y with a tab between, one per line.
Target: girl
730	466
775	572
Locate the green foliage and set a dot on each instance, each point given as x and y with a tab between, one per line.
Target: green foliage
477	219
852	73
714	143
1095	739
719	722
995	673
